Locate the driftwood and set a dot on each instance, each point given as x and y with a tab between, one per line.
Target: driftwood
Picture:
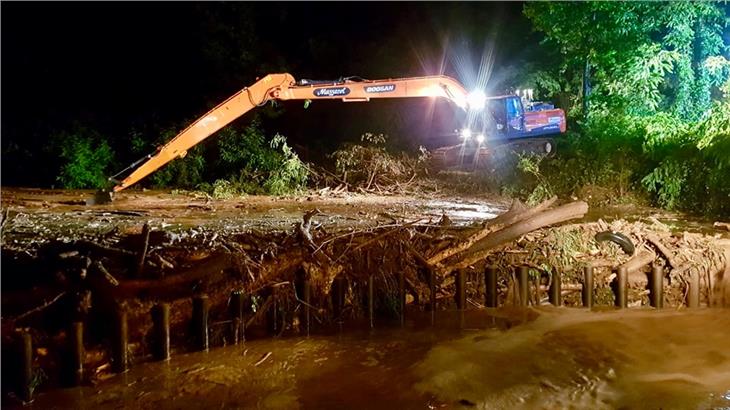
517	213
41	307
102	250
105	276
178	284
654	240
639	260
145	246
486	246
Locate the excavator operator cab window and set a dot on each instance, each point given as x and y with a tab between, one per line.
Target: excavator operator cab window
497	111
515	114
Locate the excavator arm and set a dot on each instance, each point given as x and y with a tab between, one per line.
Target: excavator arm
285	87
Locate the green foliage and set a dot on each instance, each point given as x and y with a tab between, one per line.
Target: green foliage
693	163
677	165
540	187
224	189
253	166
86	156
240	161
651	127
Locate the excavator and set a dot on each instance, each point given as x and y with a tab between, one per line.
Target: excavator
507	115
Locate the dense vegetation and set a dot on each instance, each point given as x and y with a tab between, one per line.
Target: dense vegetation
648	92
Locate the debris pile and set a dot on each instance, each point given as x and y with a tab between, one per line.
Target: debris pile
88	279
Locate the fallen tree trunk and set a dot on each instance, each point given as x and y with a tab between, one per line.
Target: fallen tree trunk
174	285
654	240
560	214
516	213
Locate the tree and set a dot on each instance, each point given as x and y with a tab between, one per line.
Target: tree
593	37
86	158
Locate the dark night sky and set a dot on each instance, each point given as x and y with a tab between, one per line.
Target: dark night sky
115	66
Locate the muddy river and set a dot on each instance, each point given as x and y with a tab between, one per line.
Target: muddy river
538	358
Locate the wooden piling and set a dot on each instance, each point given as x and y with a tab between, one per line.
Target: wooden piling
522	283
272	315
338	296
371	300
432	290
201	308
235	310
588	287
402	296
120	358
656	287
693	293
161	331
490	287
77	353
621	296
460	281
26	367
307	304
555	292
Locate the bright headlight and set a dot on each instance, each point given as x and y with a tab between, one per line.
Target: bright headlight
480	138
476	99
466	133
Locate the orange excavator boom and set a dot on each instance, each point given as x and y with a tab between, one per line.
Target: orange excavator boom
285	87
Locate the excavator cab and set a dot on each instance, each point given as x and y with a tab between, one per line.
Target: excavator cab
512	117
509	123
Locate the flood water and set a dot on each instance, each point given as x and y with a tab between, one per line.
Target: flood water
538	358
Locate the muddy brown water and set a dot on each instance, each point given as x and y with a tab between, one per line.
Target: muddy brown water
538	358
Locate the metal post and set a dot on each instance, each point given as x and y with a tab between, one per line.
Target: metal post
656	294
402	296
371	300
307	303
460	289
237	321
588	287
523	281
201	307
119	343
161	331
693	295
76	340
26	370
490	287
621	299
555	296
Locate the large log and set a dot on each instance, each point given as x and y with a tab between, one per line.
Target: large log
654	240
176	285
517	213
563	213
